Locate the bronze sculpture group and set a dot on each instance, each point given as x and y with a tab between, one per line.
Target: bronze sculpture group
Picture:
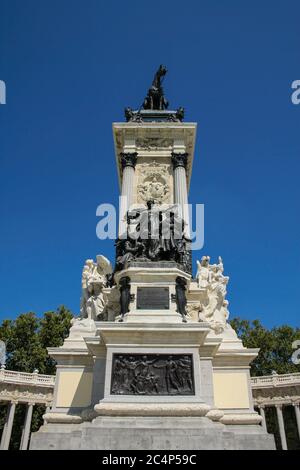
153	235
152	375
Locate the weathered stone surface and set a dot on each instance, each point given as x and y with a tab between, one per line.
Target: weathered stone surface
147	433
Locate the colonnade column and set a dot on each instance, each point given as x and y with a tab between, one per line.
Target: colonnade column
263	415
5	440
281	427
179	161
128	162
4	427
27	426
297	412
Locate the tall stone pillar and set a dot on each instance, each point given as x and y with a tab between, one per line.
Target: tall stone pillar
297	412
281	427
128	162
8	426
27	425
263	415
179	161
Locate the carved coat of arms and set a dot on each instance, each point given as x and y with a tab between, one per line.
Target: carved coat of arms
154	183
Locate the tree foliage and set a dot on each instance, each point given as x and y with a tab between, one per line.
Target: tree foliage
28	337
275	346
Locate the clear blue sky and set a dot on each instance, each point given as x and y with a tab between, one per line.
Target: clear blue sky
70	68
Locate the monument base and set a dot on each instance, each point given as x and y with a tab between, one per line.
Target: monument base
152	381
151	433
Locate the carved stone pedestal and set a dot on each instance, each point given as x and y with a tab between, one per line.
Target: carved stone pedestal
155	386
153	292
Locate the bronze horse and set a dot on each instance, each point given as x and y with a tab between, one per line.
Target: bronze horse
155	98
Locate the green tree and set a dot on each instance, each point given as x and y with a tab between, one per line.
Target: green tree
27	339
275	346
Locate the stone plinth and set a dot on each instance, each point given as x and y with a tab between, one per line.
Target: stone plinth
151	421
153	275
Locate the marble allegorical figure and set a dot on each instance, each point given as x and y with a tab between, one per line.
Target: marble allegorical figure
95	277
203	275
213	307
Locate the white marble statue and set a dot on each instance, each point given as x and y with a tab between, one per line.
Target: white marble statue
214	306
87	271
94	280
203	275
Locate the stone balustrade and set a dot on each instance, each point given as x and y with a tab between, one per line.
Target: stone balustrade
275	380
11	376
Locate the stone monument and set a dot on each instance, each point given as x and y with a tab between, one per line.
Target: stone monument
152	362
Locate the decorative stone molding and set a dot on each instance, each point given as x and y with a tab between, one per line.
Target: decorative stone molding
25	394
287	400
62	418
239	419
152	409
128	159
154	143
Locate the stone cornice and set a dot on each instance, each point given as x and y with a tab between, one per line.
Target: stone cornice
234	358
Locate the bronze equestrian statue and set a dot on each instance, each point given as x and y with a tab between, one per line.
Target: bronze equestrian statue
155	98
